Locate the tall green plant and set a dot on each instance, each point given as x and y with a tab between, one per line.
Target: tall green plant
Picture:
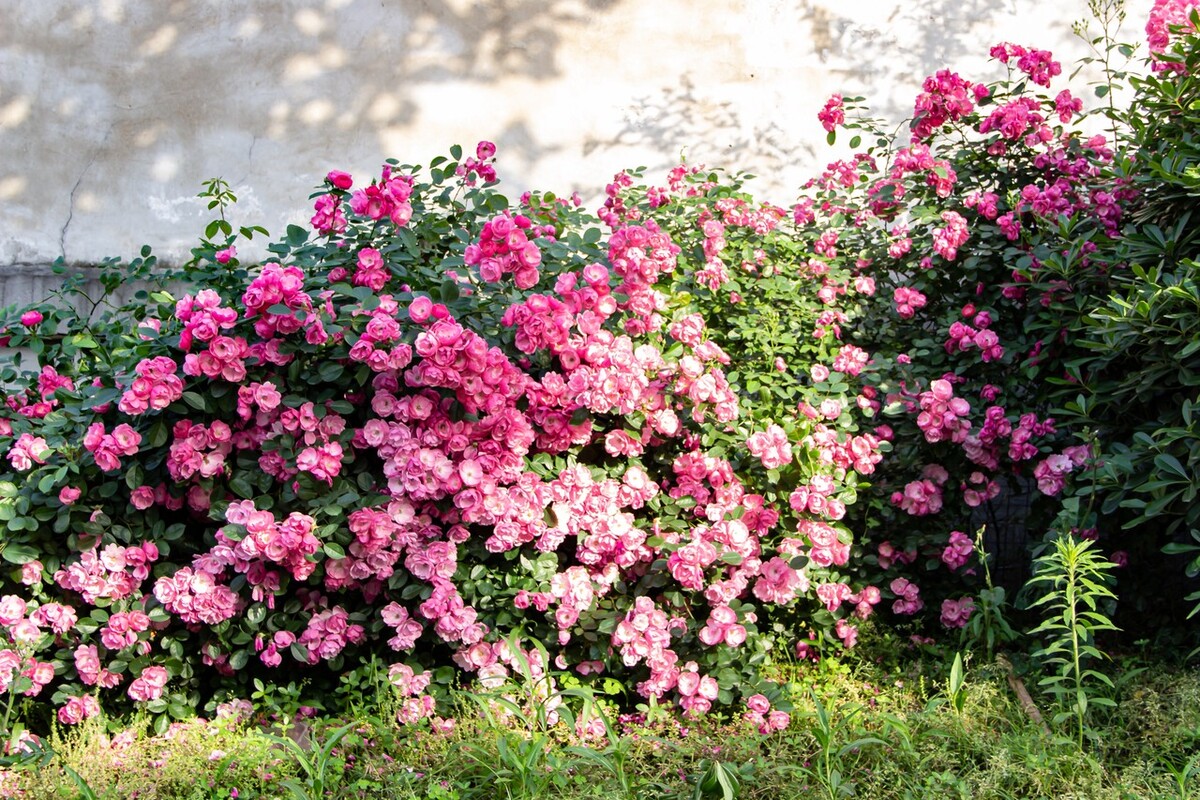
1072	581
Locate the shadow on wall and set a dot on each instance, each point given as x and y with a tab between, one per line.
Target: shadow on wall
884	58
167	92
113	111
676	119
915	40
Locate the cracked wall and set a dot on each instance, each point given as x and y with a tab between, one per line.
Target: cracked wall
113	111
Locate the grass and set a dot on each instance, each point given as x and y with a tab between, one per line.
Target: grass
863	725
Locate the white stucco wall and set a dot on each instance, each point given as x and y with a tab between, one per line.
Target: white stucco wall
113	111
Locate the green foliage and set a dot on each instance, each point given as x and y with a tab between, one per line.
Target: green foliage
315	760
1071	587
989	625
1145	747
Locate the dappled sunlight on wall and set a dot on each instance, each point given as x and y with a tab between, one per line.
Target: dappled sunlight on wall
112	112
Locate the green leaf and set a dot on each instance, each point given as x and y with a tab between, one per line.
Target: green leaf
19	553
195	401
1169	463
296	236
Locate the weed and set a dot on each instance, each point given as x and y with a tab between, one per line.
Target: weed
1074	578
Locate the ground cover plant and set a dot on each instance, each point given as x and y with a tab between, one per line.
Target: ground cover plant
663	456
880	721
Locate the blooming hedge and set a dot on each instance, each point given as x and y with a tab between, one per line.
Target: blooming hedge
431	421
444	426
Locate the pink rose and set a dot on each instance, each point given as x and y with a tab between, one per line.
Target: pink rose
68	495
142	498
342	180
420	309
31	319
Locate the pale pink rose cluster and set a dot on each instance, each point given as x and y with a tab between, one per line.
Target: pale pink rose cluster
28	450
122	629
574	591
907	301
268	650
919	159
89	669
1019	119
542	323
771	447
370	270
1052	471
329	218
850	360
978	489
203	318
149	685
1039	65
224	359
328	632
951	236
644	635
816	498
387	198
832	115
408	630
963	337
722	627
779	583
639	255
155	387
956	613
480	165
943	416
277	286
908	596
198	450
415	705
454	357
697	692
289	542
77	709
453	620
263	396
507	245
1165	15
923	497
108	448
49	381
889	555
945	97
380	346
827	545
760	715
113	573
859	453
195	596
39	673
958	550
761	219
598	515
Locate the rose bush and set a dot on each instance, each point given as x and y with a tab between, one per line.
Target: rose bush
433	421
466	431
1013	285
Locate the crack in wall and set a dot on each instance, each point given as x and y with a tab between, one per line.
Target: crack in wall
62	234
